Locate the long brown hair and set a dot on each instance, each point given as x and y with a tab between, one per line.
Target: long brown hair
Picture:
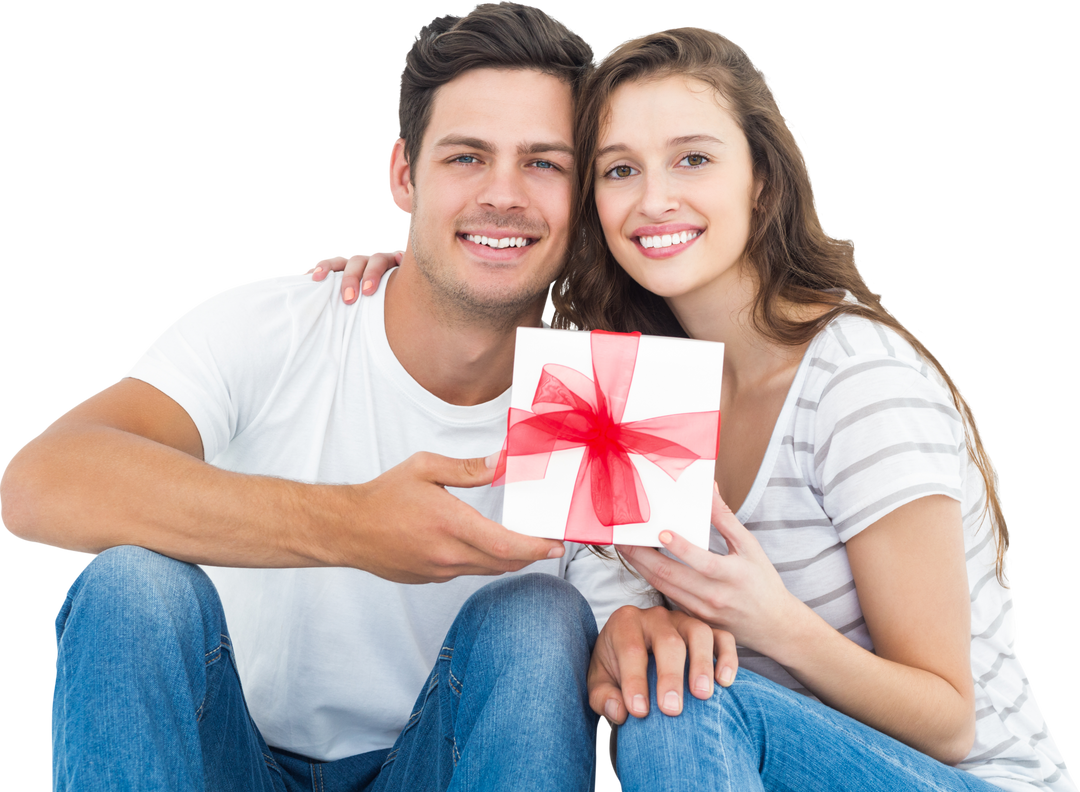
793	259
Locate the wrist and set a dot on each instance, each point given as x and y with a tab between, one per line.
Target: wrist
797	628
322	517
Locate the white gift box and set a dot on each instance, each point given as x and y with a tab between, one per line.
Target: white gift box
670	377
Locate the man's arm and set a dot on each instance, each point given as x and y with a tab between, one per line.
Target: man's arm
125	467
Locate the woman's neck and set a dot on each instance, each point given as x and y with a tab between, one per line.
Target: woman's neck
723	311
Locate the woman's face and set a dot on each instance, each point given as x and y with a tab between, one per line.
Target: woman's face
675	186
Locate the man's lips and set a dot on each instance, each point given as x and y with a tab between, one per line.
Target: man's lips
499	241
507	247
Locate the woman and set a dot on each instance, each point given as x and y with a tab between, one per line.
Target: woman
863	562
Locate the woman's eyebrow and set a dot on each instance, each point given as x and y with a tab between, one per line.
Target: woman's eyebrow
682	140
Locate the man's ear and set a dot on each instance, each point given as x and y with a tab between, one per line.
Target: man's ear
401	177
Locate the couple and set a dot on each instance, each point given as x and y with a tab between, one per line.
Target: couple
869	576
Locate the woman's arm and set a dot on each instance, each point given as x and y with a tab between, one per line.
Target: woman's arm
912	584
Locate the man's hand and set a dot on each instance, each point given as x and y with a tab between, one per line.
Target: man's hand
370	268
618	681
409	529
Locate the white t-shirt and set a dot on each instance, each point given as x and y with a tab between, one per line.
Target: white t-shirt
867	427
283	379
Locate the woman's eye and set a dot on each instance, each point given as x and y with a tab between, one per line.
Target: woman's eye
694	160
620	172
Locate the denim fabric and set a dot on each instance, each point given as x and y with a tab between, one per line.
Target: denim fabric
757	735
147	695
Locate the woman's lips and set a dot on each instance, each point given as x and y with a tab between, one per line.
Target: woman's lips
667	244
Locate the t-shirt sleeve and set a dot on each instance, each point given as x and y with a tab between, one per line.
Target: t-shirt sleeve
886	434
222	361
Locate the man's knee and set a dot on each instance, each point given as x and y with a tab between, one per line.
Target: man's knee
131	588
540	605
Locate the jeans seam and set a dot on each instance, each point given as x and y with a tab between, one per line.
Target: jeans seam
209	658
414	717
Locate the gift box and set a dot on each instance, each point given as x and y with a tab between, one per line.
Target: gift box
611	437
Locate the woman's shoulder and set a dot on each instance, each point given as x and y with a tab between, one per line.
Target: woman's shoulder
855	362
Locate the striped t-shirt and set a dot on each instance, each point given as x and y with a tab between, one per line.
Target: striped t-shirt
867	427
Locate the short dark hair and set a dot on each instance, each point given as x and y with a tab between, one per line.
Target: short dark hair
492	36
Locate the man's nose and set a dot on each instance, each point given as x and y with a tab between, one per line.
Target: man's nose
504	189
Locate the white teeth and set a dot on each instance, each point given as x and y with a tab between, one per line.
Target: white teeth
667	240
492	242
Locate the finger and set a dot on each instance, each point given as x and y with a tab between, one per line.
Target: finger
727	657
631	651
325	267
486	535
697	558
377	266
453	472
621	643
700	642
733	531
350	280
686	587
669	651
605	698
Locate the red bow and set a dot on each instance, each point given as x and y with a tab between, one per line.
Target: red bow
570	411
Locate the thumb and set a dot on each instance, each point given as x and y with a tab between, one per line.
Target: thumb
724	520
452	472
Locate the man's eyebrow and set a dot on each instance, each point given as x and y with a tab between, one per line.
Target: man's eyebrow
682	140
545	148
479	144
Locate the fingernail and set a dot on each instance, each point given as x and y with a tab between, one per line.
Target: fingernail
349	294
716	488
666	537
725	676
317	270
556	552
491	460
639	704
701	684
611	709
671	701
369	286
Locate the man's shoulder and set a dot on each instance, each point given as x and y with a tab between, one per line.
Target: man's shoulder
259	308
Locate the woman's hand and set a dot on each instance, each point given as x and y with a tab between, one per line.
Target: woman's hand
618	672
370	268
740	592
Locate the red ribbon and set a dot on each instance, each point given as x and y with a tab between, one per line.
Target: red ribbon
571	411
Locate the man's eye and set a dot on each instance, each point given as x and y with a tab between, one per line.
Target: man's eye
545	165
467	159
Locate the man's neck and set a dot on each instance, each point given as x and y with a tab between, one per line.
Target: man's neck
456	358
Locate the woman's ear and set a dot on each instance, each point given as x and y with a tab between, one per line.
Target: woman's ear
401	185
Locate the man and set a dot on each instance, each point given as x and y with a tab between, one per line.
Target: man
279	384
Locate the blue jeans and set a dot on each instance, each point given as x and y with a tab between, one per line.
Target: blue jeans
757	735
148	698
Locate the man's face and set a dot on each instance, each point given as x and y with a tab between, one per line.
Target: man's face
490	191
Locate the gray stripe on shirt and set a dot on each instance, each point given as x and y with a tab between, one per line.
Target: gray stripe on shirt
883	504
885	453
803	563
878	407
